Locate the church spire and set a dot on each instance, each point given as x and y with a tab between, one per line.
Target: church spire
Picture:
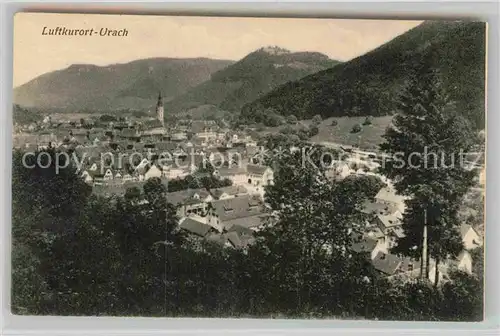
159	109
160	99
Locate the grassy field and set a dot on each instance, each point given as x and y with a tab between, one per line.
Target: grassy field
369	138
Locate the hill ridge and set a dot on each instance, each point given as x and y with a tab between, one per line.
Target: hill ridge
368	84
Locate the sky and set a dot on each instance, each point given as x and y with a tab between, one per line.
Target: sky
229	38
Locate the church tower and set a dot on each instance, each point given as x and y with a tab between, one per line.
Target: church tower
159	109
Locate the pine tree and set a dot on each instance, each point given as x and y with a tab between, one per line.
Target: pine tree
426	142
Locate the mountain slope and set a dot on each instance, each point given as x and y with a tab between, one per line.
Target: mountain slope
131	85
254	75
369	84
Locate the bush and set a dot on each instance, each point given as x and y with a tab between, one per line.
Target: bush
288	130
356	128
316	120
291	119
313	130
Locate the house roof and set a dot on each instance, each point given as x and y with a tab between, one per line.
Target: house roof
193	226
386	263
388	194
228	171
241	230
246	222
464	229
216	238
396	231
118	189
375	208
231	190
256	169
391	220
363	244
153	123
186	196
375	232
166	146
128	133
238	207
233	238
154	131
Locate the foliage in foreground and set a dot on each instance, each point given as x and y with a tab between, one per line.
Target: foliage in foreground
76	254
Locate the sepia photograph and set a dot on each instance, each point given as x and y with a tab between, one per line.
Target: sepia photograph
248	167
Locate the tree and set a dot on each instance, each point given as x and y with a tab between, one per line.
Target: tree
132	194
356	128
313	130
316	120
107	118
291	119
62	263
426	127
368	185
463	298
306	231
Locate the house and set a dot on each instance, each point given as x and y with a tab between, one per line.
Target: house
153	171
365	245
463	262
223	240
195	227
229	192
155	134
108	175
391	226
375	233
470	237
244	211
388	196
128	134
176	173
387	264
373	209
178	136
87	177
238	175
339	171
204	129
190	201
391	266
259	175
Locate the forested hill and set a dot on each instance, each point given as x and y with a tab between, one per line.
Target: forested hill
369	84
132	85
251	77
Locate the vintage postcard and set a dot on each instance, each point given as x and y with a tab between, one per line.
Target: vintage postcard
170	166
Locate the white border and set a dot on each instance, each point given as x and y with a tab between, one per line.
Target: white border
22	325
